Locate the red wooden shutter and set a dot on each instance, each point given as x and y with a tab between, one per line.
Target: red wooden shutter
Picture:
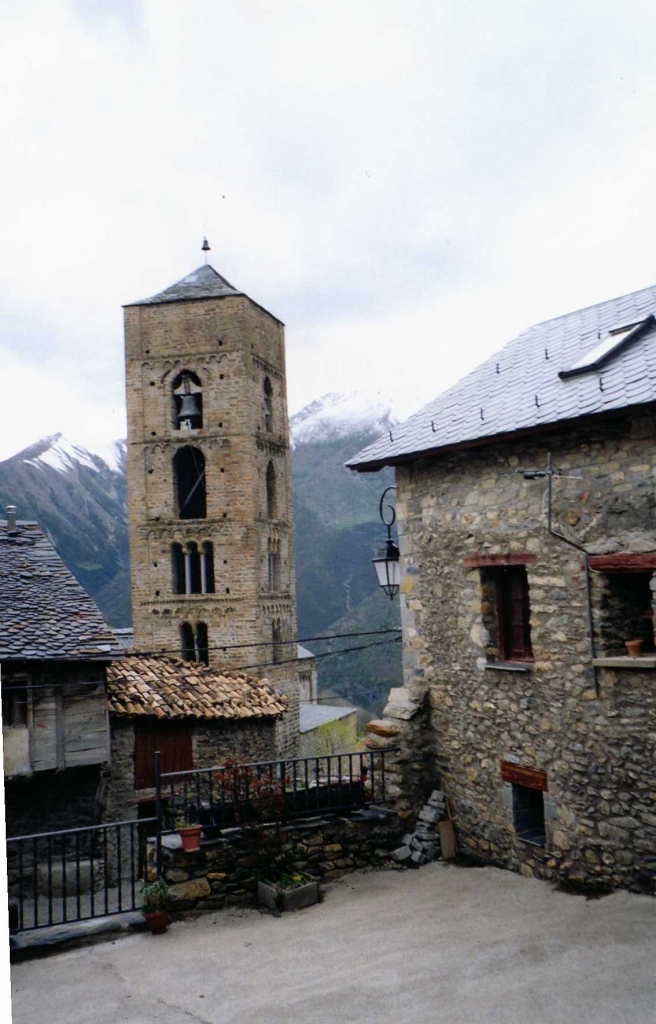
172	739
513	615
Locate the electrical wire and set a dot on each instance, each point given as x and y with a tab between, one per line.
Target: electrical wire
236	668
276	643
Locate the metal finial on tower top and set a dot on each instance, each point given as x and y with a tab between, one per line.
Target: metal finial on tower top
205	247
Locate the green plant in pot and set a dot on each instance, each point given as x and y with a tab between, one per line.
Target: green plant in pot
154	905
189	834
259	807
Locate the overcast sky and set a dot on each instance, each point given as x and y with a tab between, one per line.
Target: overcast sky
406	184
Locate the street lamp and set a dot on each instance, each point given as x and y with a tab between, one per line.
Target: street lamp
386	563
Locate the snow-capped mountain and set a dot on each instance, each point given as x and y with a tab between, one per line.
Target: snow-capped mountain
335	415
63	454
78	495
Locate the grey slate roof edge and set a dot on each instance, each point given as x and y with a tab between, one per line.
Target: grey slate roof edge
519	388
45	613
375	465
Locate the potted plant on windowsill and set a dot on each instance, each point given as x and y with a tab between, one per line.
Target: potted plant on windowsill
154	905
634	647
189	834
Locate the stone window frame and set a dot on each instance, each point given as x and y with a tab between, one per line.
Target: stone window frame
192	567
493	621
610	574
514	777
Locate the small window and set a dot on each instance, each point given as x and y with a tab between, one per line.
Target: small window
190	483
276	636
528	814
207	567
188	645
187	394
14	707
271	495
268	405
178	568
202	643
506	612
274	570
623	610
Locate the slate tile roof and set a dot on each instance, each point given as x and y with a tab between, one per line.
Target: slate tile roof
44	612
203	283
144	684
519	387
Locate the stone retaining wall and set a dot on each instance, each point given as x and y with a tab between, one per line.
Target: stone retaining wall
222	872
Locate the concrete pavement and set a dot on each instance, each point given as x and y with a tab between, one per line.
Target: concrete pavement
442	945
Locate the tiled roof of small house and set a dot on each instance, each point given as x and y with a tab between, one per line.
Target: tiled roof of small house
534	382
144	684
44	612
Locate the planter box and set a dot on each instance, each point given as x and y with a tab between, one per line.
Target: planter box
288	899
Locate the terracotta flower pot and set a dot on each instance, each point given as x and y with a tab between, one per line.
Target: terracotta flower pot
190	836
634	647
158	921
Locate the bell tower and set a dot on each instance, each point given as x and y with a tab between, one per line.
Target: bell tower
209	476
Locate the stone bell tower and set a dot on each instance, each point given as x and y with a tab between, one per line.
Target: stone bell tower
209	477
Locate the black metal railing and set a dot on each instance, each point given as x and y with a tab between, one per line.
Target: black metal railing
235	794
75	874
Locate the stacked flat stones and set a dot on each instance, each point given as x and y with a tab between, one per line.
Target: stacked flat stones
423	844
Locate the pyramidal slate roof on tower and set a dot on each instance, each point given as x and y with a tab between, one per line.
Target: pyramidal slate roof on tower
203	283
597	360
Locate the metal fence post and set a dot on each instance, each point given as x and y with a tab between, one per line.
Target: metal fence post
158	811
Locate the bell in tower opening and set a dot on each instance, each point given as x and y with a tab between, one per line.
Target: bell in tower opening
187	401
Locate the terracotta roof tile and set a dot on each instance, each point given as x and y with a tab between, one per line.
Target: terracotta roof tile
143	684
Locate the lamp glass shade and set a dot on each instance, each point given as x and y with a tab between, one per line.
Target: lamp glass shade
388	569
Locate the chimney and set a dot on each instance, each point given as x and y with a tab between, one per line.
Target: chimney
11	518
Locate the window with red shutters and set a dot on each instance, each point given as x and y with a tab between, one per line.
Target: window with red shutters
172	739
513	613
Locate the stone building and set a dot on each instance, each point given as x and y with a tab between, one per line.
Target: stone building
527	525
190	714
55	649
209	482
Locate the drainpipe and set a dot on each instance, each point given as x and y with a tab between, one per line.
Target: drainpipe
588	583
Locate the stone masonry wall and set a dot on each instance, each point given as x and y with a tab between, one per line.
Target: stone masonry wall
458	715
222	874
213	744
232	345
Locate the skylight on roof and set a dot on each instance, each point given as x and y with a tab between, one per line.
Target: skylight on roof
607	348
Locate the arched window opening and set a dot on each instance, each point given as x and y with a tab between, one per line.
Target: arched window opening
178	566
202	643
274	565
207	567
188	645
190	484
268	404
271	497
276	636
193	570
187	395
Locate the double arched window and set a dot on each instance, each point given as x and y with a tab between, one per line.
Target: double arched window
193	568
190	483
195	643
187	401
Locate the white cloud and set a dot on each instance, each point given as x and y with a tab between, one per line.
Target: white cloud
406	184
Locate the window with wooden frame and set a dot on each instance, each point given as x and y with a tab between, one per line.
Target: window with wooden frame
506	612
